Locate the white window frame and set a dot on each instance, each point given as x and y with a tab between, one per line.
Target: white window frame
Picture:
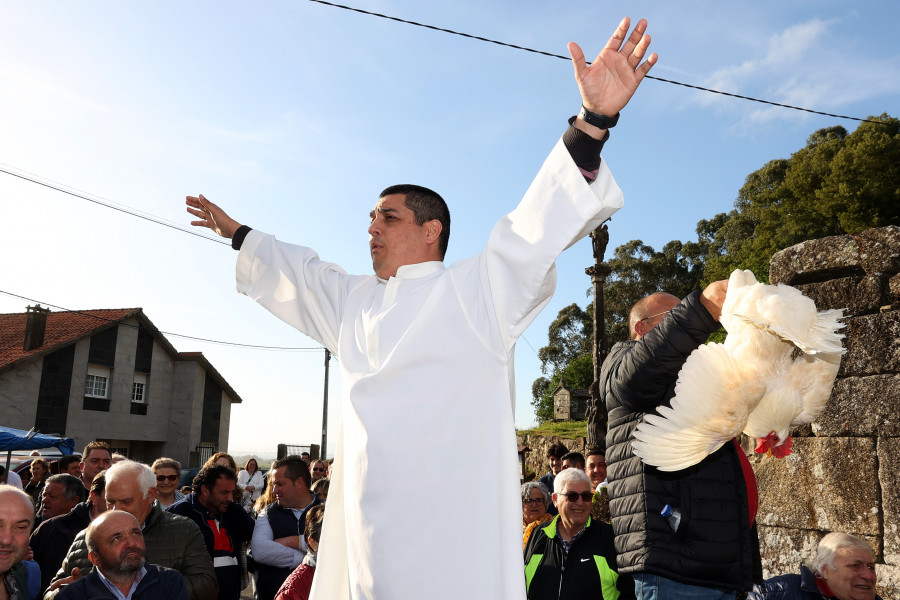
139	389
97	377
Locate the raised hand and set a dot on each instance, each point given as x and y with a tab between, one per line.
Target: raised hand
211	216
610	81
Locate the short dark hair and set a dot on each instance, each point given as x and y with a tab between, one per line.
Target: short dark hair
314	518
576	457
296	467
557	450
95	445
209	475
426	205
72	486
63	463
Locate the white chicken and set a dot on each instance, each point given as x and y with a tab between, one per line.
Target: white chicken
774	372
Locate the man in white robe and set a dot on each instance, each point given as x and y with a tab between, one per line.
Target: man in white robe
426	355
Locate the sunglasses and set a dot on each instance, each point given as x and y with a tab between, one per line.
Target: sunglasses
318	469
573	496
161	478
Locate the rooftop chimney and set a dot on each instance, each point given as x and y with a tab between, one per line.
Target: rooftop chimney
35	325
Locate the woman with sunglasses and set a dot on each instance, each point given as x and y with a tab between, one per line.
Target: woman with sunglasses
168	474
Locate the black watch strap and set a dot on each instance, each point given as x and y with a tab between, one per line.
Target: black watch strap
598	120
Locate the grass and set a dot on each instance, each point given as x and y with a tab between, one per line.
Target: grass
565	429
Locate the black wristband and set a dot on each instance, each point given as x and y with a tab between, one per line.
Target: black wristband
237	240
597	120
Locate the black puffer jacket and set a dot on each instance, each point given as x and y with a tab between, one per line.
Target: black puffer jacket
714	545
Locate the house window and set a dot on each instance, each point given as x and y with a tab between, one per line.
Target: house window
139	388
95	386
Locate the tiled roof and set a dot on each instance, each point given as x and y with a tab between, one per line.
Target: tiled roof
63	328
67	327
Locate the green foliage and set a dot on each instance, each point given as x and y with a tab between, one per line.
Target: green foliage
839	183
563	429
637	270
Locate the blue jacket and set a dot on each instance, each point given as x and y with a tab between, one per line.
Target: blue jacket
158	583
790	587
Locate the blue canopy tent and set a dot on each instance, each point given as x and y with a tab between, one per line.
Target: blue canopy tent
18	439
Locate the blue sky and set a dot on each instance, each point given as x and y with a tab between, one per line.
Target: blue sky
294	115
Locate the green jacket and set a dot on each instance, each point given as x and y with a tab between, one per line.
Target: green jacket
172	541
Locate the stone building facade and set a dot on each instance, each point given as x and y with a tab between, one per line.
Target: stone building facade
570	404
844	474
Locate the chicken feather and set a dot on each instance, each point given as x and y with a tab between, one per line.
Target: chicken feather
774	372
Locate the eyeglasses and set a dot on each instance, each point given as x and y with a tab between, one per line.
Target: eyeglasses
532	500
161	478
656	315
573	496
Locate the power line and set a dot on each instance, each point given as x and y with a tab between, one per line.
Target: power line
566	58
169	333
43	181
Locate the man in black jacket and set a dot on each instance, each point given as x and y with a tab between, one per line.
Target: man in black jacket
222	521
708	546
573	556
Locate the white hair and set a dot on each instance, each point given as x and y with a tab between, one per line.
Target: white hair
567	476
829	546
144	475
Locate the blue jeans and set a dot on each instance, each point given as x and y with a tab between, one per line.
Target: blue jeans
654	587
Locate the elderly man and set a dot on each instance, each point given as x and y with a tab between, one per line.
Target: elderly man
16	519
573	556
844	568
438	341
714	552
223	523
52	538
61	494
171	541
116	549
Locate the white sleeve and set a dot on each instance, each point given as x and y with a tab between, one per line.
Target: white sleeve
293	284
269	552
558	209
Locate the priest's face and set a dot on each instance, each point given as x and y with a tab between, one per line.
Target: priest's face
396	240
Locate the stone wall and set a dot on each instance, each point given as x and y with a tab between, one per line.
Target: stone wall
536	460
844	474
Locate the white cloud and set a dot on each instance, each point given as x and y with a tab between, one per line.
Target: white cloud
807	65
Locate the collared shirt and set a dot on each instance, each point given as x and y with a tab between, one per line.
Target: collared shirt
568	545
9	582
116	591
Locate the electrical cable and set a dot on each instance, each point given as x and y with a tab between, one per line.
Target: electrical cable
108	204
550	54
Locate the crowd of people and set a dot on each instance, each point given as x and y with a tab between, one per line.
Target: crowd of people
108	527
612	527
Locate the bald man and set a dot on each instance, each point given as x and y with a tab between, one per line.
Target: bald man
713	552
116	549
16	519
